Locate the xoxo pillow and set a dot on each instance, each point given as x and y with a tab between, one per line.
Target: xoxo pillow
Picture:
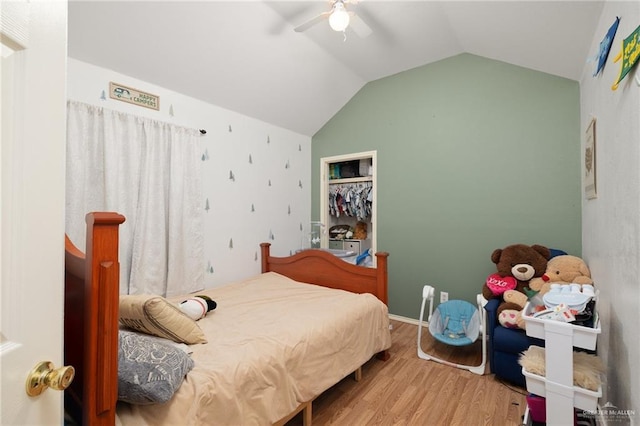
498	284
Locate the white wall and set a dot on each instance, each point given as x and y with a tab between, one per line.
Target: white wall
611	222
269	199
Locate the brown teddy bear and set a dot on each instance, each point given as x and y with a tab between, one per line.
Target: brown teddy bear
516	265
564	269
361	231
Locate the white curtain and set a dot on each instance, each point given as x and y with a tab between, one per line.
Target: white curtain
149	172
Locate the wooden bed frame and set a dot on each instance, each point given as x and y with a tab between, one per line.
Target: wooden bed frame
322	268
92	292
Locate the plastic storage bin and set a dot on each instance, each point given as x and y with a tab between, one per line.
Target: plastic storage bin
537	408
557	387
582	337
582	398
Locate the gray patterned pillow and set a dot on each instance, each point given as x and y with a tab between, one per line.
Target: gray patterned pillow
149	371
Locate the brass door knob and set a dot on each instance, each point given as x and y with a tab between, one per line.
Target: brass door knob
44	376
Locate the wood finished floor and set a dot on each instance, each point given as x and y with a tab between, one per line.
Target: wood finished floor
406	390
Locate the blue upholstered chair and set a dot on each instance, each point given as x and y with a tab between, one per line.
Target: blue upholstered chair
506	344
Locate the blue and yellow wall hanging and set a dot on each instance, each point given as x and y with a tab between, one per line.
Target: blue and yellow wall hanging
629	54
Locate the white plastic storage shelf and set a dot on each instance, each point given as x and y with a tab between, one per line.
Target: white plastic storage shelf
557	387
581	337
583	399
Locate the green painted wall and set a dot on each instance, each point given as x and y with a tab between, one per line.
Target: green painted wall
473	155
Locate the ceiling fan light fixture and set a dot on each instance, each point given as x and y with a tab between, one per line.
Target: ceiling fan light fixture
339	18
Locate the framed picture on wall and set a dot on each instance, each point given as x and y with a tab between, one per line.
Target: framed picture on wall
590	161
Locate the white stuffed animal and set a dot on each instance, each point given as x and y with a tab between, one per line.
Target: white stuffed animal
197	307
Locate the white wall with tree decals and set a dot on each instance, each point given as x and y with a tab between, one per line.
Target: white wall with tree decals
256	176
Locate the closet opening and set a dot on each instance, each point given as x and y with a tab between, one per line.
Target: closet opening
348	203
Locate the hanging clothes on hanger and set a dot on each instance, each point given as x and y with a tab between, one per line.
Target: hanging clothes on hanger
351	199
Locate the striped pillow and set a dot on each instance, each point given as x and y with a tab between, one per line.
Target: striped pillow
157	316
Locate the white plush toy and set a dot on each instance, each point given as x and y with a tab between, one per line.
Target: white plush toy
197	307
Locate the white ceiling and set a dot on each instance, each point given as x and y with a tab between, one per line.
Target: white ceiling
246	57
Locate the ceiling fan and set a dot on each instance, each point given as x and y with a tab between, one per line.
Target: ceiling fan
339	19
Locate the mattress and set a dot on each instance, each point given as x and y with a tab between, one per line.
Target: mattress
273	343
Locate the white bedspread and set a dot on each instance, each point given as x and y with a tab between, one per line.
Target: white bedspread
273	344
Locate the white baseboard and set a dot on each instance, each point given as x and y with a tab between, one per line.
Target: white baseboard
403	319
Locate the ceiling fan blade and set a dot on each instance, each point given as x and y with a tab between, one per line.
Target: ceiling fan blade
311	22
359	26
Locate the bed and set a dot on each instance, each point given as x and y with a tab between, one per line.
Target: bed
275	341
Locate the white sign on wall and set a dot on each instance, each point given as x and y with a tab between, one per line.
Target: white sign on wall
133	96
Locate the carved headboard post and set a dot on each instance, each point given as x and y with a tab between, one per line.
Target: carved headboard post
382	280
264	251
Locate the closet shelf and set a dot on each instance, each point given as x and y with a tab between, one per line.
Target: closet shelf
351	180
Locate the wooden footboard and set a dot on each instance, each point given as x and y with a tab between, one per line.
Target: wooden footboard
92	289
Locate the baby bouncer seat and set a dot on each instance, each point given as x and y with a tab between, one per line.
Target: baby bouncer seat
456	323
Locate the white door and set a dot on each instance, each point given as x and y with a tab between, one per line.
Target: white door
32	174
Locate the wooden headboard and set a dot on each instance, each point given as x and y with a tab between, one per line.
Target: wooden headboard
322	268
92	289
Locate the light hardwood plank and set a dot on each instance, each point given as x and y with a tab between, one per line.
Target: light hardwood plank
406	390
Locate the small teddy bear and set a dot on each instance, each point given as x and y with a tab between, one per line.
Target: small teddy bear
360	232
196	307
564	269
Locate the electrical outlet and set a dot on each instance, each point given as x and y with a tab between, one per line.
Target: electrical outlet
444	296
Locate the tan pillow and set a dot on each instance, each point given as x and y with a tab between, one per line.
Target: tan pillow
157	316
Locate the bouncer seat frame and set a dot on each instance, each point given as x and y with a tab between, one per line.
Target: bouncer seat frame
463	332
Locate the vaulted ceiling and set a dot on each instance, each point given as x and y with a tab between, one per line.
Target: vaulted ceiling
246	57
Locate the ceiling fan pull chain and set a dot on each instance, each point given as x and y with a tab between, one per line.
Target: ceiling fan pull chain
344	33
